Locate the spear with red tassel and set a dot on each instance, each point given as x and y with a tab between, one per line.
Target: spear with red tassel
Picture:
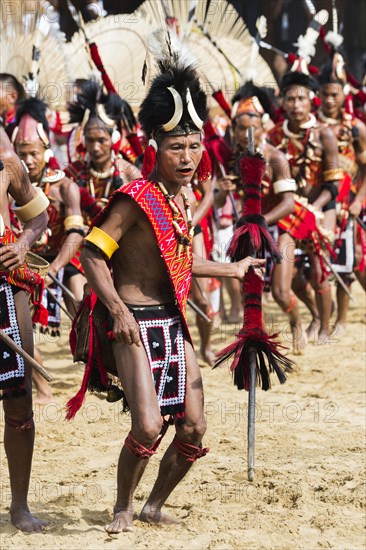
256	353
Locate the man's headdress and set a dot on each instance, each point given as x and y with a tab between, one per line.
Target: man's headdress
254	101
219	40
299	75
109	111
296	78
175	104
32	125
333	72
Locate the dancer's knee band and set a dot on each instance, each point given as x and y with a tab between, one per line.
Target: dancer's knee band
191	452
138	449
291	305
21	425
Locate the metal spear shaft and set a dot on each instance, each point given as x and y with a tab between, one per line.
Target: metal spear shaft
199	311
62	286
59	304
251	413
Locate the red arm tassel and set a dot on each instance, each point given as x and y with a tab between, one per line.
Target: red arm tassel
216	146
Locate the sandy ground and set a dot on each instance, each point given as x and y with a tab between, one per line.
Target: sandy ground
310	485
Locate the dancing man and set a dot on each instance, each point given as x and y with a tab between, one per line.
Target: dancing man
16	282
146	233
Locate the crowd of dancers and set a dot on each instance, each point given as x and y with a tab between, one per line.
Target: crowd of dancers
77	151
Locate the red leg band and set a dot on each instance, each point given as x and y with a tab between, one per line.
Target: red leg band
139	450
20	424
292	304
190	451
322	291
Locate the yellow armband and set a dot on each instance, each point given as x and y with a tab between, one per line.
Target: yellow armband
333	174
281	186
103	241
33	208
362	158
73	222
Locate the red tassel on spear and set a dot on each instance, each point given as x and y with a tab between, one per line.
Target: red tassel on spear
256	354
252	238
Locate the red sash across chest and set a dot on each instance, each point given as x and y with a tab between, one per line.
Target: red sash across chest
152	201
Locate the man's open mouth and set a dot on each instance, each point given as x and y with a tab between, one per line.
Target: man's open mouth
185	170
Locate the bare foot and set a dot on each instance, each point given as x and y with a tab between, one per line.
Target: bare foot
208	356
299	339
339	329
122	522
324	337
22	519
43	398
156	516
313	328
233	318
216	321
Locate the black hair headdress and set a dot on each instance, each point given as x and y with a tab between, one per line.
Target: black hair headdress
175	103
110	108
296	78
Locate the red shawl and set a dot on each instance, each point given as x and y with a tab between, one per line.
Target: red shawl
151	200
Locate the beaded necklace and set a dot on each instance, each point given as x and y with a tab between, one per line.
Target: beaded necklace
97	176
344	132
184	241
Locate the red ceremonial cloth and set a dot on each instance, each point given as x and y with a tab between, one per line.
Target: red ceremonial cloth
151	200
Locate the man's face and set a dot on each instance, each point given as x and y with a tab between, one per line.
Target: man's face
178	158
242	124
32	154
332	98
98	144
297	104
8	97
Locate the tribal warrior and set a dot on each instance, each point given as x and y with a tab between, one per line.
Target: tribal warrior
311	150
17	281
145	232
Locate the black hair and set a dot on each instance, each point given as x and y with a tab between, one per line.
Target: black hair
295	78
9	79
